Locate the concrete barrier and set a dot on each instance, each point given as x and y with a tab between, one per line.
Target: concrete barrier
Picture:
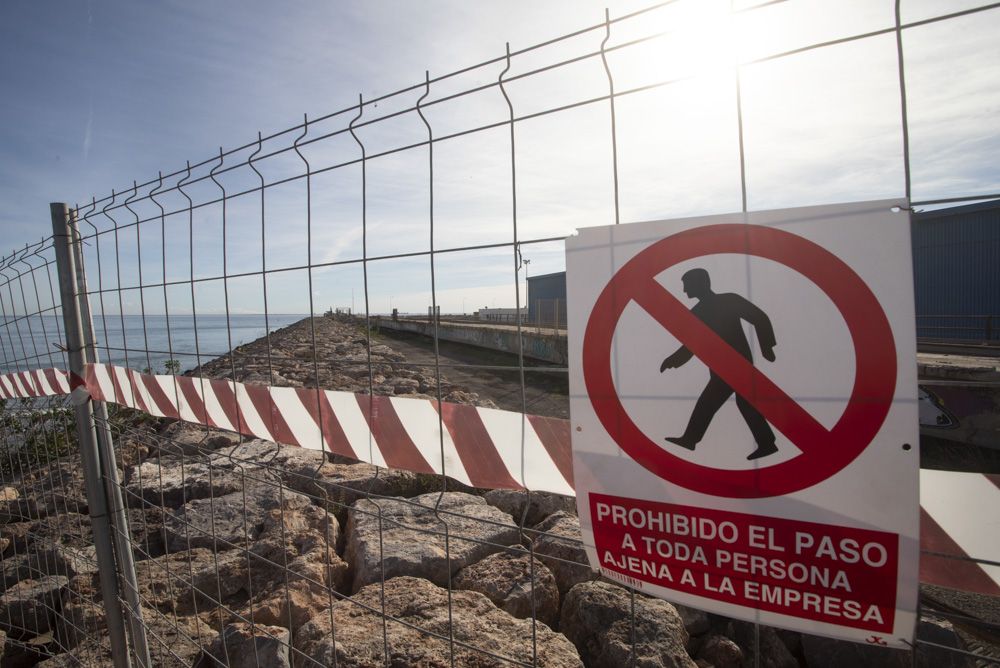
544	344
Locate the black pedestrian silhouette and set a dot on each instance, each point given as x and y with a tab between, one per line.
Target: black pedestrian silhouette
724	315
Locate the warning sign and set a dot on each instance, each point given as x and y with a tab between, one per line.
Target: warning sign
744	414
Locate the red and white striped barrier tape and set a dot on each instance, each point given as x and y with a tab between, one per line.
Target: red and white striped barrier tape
36	383
482	447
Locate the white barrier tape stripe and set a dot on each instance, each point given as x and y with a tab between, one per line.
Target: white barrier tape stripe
25	386
62	378
19	386
8	387
125	385
421	421
950	498
42	383
252	421
528	462
184	410
352	420
956	501
304	429
57	380
102	376
138	390
213	407
167	388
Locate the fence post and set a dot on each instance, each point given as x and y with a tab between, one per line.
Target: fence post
87	435
109	470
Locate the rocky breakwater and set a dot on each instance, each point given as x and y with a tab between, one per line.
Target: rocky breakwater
340	360
251	553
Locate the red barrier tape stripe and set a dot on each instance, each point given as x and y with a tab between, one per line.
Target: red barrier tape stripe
318	406
475	447
474	441
398	449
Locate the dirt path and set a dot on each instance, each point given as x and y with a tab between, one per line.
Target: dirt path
546	390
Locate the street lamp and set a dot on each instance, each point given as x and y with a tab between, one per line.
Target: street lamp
524	263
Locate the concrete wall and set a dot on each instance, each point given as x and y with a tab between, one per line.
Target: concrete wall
544	347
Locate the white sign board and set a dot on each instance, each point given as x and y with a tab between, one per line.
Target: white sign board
744	414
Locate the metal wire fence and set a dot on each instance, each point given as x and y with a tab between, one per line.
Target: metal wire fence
237	269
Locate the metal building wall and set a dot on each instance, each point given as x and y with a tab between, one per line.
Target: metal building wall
956	271
546	288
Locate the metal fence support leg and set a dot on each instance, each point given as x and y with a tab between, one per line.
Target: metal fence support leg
128	582
87	435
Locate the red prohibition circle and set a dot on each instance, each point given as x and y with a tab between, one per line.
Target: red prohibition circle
823	452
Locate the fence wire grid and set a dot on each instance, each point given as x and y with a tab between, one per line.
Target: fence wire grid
289	261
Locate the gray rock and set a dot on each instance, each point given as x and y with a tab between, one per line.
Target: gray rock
597	618
558	544
334	484
29	607
183	438
337	485
720	652
228	521
539	504
52	489
79	620
242	646
407	537
823	652
773	652
71	529
481	631
287	575
506	579
294	567
18	567
69	561
189	581
696	621
173	482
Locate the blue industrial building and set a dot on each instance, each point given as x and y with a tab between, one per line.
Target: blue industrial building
956	272
956	276
547	299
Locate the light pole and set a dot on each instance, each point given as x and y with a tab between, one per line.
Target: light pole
524	263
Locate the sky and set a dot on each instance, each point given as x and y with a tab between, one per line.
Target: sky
100	93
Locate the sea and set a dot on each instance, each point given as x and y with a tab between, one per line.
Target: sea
133	341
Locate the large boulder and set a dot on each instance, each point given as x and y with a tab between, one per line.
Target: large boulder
720	652
294	568
421	618
243	646
430	536
188	581
558	543
69	561
598	618
55	488
19	567
228	521
945	652
539	505
514	584
335	484
171	482
770	652
289	571
30	606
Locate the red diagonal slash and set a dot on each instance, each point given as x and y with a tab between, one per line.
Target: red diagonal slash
746	380
823	452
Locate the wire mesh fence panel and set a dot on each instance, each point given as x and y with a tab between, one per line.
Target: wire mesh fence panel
50	603
317	458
